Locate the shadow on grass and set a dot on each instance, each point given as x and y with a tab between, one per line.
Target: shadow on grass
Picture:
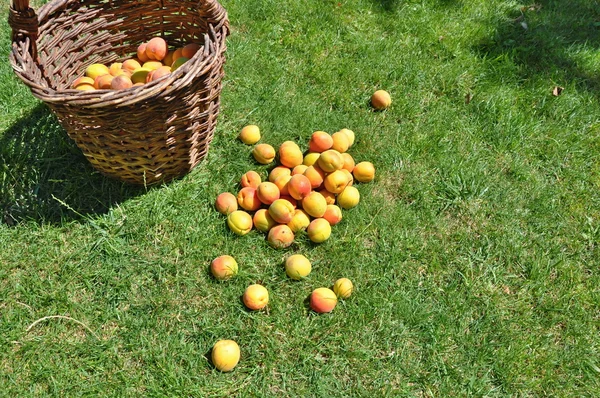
42	167
542	38
393	5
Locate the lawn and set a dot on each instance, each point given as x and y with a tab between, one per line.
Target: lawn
474	252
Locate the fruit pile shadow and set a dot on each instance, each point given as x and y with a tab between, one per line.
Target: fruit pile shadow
541	37
45	177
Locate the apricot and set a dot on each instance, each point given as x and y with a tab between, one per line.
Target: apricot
341	143
278	171
190	50
291	200
103	82
323	300
348	198
318	230
329	197
156	49
348	162
267	192
300	169
176	55
282	183
225	355
299	221
299	186
320	141
152	65
121	82
224	267
333	214
168	59
381	100
141	52
290	154
263	153
282	211
83	80
178	62
364	172
85	87
131	65
336	182
263	221
160	72
115	68
330	161
280	236
350	134
297	267
248	199
226	203
349	176
311	158
343	288
250	134
314	204
95	70
250	179
315	176
255	297
239	222
140	75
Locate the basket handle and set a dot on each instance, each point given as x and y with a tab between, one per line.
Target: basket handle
24	23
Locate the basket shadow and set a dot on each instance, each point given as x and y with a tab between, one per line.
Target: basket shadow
45	177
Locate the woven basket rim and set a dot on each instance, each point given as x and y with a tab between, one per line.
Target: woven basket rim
198	64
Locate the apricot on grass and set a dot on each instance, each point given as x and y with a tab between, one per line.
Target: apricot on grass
225	355
333	214
343	288
364	172
263	153
319	230
239	222
381	100
250	134
323	300
297	267
280	236
224	267
226	203
300	220
263	221
348	198
250	179
255	297
314	204
248	199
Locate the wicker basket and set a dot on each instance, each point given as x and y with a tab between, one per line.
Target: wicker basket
142	135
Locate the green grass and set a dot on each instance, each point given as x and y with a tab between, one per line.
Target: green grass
474	252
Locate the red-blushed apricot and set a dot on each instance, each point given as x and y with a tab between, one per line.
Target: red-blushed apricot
280	236
141	52
255	297
320	141
226	203
250	179
323	300
248	199
333	214
156	49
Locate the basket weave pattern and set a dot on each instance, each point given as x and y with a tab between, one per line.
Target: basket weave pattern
143	135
